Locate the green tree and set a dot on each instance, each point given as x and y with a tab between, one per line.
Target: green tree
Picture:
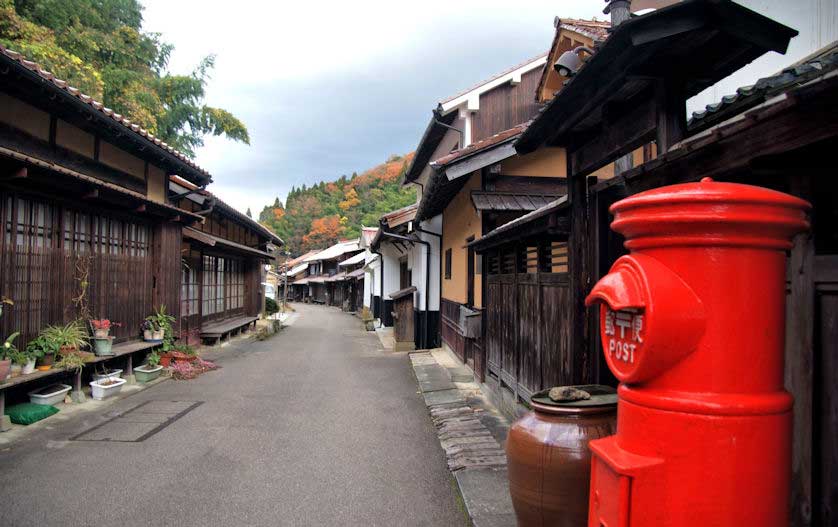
99	47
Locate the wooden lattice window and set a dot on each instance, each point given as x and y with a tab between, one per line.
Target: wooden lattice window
209	291
188	291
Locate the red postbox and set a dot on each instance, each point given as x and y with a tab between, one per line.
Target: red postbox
693	325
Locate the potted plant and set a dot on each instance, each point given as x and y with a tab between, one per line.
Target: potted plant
43	349
69	338
147	327
102	327
71	359
106	373
106	387
6	354
150	370
19	360
161	324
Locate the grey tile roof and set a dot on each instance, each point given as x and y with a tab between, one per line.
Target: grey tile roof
765	88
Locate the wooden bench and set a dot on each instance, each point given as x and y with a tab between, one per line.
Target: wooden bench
217	330
118	350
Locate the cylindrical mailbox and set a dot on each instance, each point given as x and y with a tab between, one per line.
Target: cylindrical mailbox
693	325
548	460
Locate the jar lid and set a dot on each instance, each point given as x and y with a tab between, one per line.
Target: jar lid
601	396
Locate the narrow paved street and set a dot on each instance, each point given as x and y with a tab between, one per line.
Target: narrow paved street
315	426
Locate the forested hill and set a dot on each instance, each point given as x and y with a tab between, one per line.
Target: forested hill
318	216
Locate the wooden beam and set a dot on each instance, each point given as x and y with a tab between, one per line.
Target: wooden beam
618	137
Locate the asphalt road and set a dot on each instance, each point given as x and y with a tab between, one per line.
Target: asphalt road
315	426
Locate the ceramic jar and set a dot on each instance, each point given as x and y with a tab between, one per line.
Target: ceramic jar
549	463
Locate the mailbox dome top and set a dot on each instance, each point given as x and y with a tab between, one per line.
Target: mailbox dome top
710	213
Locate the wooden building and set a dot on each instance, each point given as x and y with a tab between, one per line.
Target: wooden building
222	265
324	276
474	181
778	132
92	226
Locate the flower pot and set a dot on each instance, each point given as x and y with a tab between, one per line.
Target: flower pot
148	335
549	464
29	367
146	373
45	362
66	350
111	374
103	346
158	335
15	370
5	367
166	360
52	394
100	391
101	333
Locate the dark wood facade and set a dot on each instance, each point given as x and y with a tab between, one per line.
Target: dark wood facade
89	229
506	106
526	331
779	136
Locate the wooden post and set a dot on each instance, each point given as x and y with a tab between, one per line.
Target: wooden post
672	115
78	394
800	360
579	277
5	422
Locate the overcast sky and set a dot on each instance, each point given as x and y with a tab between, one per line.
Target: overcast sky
328	88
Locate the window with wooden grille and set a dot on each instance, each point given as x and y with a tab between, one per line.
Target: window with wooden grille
49	250
208	293
223	285
448	264
188	291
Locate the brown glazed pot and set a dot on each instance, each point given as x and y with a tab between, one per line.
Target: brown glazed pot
548	459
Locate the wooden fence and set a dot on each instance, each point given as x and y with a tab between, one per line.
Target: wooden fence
526	320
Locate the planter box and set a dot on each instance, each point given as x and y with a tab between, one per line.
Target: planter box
112	374
103	391
52	394
145	374
103	346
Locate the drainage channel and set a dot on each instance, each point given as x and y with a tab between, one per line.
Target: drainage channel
139	423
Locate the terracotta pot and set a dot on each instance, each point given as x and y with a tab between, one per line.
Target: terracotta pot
166	360
549	464
45	362
5	368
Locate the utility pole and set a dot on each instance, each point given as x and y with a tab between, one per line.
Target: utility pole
285	289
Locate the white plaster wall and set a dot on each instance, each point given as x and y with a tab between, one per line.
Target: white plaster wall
390	269
417	261
445	146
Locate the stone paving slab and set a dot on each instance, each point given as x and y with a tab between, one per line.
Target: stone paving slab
473	453
443	397
485	492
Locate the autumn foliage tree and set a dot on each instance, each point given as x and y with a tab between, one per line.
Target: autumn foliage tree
317	216
324	232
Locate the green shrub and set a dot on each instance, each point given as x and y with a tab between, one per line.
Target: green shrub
271	306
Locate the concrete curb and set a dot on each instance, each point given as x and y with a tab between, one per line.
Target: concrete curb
475	457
